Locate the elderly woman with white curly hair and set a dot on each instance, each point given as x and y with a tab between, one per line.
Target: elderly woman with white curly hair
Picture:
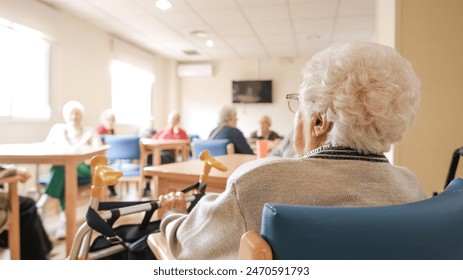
356	99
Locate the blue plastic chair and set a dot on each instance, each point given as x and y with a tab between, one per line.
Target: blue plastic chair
124	155
216	147
428	229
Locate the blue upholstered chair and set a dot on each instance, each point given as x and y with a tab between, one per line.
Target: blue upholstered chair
428	229
81	181
124	155
217	147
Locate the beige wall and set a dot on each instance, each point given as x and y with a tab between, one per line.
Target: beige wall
430	36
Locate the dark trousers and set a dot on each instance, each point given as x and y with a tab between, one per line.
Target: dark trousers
35	244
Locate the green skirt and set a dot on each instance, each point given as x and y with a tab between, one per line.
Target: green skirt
55	187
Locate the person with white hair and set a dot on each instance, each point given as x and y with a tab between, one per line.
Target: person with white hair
355	100
264	131
226	129
173	129
107	123
72	133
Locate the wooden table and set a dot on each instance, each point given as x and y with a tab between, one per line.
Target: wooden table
38	153
179	175
14	225
155	146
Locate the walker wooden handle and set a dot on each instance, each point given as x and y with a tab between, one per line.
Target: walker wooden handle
102	175
209	162
206	157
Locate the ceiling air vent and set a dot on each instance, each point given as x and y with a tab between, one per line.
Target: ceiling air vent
190	52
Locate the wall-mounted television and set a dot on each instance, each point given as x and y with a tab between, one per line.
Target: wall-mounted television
257	91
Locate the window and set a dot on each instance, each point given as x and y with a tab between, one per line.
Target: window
131	93
24	72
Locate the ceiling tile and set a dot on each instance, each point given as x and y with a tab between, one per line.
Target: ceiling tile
314	26
356	7
235	30
273	28
208	5
223	17
354	24
267	14
310	10
260	3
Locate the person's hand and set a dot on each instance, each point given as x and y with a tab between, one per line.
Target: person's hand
173	200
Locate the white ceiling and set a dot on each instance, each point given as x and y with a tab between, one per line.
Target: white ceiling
240	29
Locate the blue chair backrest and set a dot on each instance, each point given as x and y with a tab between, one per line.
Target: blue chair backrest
122	147
217	147
80	180
428	229
193	136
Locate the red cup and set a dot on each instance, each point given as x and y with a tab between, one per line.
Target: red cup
262	148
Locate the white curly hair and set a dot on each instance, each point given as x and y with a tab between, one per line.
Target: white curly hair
368	91
71	105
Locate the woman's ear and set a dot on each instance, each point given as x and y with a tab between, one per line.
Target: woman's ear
321	125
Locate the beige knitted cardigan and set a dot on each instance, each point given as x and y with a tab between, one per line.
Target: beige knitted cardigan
334	176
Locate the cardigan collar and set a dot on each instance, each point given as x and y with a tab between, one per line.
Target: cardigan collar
344	153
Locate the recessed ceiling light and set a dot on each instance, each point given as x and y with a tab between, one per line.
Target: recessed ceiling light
210	43
163	4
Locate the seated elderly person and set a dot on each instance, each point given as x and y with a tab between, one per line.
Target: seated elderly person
264	132
355	100
227	129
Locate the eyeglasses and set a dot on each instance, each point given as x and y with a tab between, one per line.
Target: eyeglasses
293	102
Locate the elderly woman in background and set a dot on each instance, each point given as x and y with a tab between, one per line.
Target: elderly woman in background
171	131
72	133
356	99
227	130
107	123
264	132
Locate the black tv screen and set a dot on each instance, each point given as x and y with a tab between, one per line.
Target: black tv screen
252	91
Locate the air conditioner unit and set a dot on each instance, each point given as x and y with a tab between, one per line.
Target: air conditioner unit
194	70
